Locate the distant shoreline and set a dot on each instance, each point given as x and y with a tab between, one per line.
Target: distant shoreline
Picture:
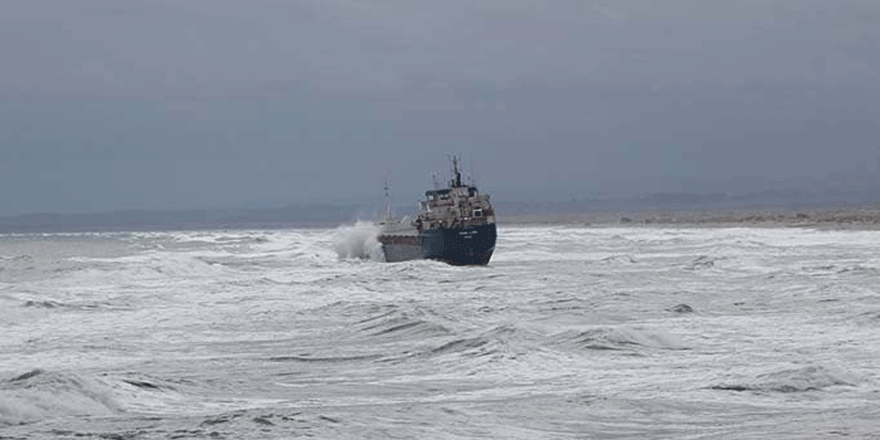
856	218
846	218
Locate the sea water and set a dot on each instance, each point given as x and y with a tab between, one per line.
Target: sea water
569	332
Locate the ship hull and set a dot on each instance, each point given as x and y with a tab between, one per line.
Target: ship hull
471	246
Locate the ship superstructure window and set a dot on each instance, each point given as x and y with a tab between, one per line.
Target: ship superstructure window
437	195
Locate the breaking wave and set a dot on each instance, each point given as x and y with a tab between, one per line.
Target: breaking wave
495	341
614	338
797	380
702	262
619	259
37	395
397	324
360	240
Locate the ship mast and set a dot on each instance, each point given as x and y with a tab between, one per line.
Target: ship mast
457	182
387	202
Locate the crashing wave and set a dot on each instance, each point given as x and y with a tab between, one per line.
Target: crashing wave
797	380
37	395
612	338
360	240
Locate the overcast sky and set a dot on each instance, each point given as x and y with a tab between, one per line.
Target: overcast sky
169	104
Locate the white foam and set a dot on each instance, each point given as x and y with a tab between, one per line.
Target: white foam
804	379
567	327
360	240
39	395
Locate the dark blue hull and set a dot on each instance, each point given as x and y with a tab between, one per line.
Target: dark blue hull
460	246
466	246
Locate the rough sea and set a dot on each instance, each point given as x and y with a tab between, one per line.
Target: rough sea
569	333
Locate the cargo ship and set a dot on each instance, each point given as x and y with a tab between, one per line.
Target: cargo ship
454	224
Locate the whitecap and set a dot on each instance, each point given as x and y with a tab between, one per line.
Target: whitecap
360	240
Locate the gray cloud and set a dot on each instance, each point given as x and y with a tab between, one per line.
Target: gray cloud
107	104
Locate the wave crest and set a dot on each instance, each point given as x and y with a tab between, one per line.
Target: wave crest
360	240
620	338
797	380
37	395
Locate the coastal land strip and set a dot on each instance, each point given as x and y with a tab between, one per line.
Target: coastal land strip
860	217
856	218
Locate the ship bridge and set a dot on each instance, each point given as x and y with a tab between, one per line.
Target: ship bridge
439	194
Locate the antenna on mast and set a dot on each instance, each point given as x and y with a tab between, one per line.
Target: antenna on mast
455	172
473	170
387	201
